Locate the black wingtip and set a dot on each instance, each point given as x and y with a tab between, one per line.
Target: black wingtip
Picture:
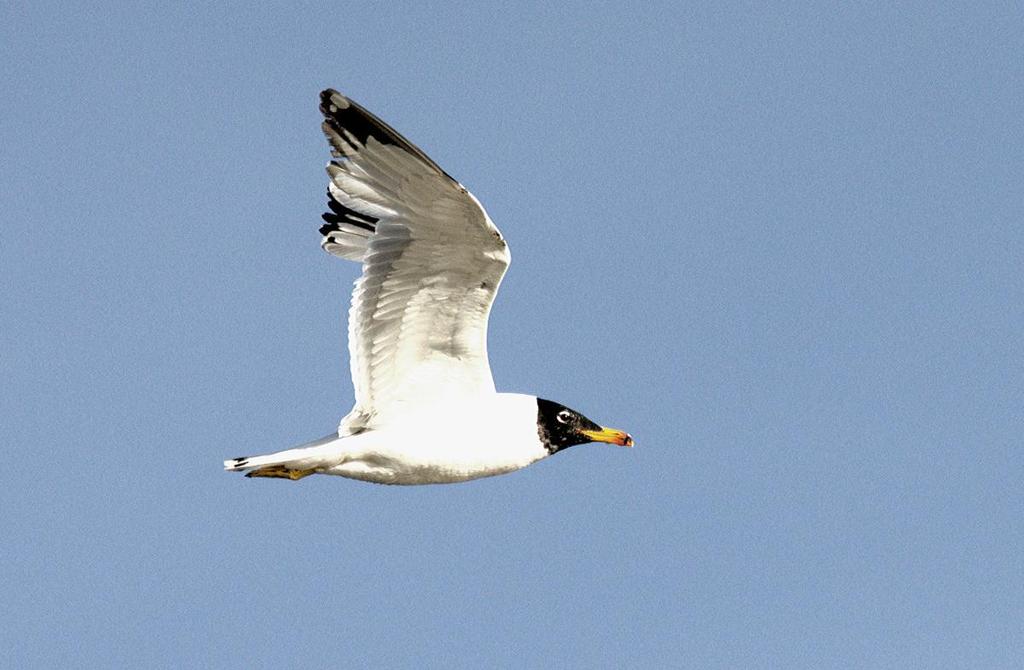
331	101
341	112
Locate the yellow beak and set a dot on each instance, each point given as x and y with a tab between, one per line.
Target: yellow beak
609	435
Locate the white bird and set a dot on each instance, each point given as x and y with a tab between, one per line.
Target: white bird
426	411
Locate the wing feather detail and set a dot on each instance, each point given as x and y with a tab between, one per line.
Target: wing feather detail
432	263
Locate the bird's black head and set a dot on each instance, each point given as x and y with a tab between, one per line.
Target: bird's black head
560	427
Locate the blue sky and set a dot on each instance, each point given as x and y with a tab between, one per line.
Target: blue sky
780	245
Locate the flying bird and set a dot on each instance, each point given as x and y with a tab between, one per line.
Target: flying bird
426	410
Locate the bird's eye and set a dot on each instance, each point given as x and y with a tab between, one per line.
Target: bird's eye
564	416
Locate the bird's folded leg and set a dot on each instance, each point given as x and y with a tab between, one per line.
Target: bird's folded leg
280	472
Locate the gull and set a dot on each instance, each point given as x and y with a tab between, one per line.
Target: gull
426	410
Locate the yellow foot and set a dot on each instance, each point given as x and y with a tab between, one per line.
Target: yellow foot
280	472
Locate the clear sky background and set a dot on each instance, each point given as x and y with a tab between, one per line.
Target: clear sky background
781	245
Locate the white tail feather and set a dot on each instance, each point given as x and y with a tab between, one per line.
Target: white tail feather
318	453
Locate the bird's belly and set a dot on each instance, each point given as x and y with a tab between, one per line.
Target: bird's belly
446	473
456	459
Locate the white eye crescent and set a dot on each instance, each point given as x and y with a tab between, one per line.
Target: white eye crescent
564	416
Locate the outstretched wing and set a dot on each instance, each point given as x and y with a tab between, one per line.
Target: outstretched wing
432	261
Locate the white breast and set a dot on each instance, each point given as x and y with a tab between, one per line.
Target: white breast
447	442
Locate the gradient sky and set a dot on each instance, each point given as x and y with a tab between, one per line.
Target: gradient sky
781	246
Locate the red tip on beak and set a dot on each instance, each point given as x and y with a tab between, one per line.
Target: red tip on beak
610	436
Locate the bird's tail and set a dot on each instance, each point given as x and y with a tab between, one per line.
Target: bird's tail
289	464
